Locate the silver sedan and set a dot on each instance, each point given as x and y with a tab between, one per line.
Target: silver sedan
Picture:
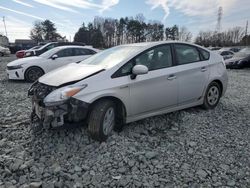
127	83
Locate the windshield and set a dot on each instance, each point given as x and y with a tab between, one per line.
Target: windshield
49	53
243	53
111	57
35	47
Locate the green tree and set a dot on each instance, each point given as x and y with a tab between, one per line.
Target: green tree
90	36
37	32
44	31
172	33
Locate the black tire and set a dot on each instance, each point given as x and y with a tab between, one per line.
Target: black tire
211	102
96	119
33	73
1	54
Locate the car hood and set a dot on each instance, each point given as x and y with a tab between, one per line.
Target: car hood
69	73
24	61
20	51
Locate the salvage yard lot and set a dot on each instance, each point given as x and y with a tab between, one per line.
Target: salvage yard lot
191	147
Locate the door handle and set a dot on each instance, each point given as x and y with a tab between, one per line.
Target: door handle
171	77
203	69
123	87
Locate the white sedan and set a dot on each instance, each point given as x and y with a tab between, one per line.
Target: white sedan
32	68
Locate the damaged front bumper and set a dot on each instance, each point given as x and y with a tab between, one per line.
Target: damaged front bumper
72	110
49	116
54	114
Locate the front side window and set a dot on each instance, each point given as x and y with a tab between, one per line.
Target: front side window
65	52
156	58
186	54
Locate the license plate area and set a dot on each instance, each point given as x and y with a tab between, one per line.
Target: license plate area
38	110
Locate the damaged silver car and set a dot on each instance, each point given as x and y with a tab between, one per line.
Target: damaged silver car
128	83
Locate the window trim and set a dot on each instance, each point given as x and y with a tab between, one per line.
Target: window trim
115	74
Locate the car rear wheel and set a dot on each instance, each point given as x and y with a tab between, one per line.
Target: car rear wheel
33	73
101	120
1	54
212	96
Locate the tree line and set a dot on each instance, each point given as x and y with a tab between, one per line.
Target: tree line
231	37
107	32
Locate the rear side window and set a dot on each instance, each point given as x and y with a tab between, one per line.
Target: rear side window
65	52
224	53
205	54
82	51
90	52
186	54
50	46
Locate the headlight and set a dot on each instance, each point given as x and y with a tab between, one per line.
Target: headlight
61	95
14	67
238	62
28	54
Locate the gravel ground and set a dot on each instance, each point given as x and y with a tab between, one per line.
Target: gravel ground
189	148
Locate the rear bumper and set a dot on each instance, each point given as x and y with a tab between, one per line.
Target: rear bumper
17	74
56	116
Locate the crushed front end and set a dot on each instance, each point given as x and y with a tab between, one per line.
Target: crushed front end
54	113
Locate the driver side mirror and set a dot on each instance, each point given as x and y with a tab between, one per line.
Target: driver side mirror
138	70
53	57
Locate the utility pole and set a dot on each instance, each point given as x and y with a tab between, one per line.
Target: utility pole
5	26
219	17
246	32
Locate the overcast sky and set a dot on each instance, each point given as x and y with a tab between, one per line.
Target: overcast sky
68	15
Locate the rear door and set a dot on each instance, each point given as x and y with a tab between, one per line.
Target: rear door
193	72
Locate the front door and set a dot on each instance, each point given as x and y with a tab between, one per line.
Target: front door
65	56
158	88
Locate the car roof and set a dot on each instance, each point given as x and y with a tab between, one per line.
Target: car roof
152	44
75	46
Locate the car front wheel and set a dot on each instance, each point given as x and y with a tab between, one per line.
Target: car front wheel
212	96
33	73
101	120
